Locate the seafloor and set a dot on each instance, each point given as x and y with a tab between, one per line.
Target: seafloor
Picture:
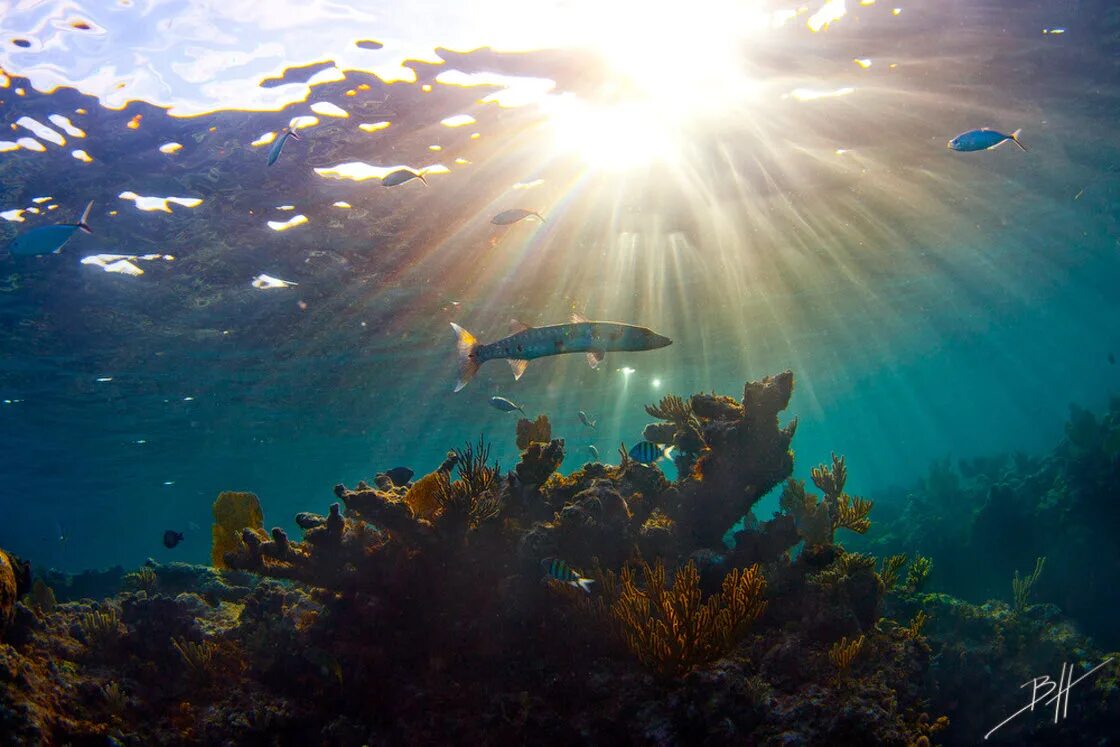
419	614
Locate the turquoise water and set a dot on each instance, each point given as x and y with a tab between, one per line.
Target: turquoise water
779	198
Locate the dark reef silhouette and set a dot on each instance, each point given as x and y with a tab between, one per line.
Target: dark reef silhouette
418	614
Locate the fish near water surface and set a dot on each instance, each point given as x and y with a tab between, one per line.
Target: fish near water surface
49	239
278	146
507	217
983	139
528	343
400	176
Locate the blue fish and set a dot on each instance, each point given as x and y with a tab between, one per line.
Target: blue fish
983	139
503	404
400	176
558	570
648	452
278	146
49	239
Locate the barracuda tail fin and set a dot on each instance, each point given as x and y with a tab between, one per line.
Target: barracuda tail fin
467	346
1015	139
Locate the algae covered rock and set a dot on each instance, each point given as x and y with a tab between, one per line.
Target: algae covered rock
8	594
233	512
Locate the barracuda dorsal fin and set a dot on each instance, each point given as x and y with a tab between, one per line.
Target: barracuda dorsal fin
516	326
594	358
578	318
518	367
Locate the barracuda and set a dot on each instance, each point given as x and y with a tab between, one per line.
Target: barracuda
528	343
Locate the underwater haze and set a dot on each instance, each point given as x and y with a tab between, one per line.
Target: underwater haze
297	204
766	184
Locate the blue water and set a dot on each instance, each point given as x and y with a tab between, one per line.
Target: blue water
768	201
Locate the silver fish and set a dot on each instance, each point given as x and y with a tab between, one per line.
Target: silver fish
278	146
528	343
49	239
400	176
593	452
503	404
513	215
586	420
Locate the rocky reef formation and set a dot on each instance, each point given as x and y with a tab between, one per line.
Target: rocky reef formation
432	612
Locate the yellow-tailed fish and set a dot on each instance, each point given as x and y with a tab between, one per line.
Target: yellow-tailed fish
558	570
49	239
278	146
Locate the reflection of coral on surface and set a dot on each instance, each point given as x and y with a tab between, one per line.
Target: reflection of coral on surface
419	614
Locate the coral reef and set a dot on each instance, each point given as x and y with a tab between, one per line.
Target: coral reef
419	614
983	520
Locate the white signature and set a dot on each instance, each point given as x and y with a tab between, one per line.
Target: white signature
1059	699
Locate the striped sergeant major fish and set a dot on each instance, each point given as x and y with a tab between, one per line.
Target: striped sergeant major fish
648	452
528	343
558	570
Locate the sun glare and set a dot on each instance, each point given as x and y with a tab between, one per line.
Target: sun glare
666	65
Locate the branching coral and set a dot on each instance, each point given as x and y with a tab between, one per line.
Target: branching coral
233	512
918	574
672	630
198	657
917	623
100	627
671	408
142	579
831	480
892	570
1021	587
852	513
843	653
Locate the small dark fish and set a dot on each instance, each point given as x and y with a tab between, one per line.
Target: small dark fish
400	475
171	538
648	452
400	176
558	570
593	452
49	239
586	420
506	217
278	146
1112	358
503	404
983	139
